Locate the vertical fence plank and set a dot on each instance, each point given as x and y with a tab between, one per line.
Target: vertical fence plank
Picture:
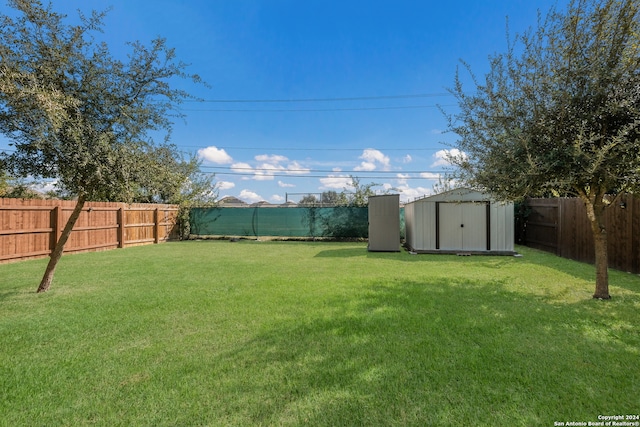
572	231
542	224
156	227
55	227
31	228
121	225
59	224
634	212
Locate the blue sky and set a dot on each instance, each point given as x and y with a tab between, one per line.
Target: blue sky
362	82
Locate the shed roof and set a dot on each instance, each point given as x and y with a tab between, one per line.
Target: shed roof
458	195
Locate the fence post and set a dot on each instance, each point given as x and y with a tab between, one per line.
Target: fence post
121	219
156	226
559	224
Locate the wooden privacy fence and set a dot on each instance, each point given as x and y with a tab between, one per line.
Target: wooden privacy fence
561	226
31	228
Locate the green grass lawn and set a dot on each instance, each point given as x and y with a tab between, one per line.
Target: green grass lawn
296	333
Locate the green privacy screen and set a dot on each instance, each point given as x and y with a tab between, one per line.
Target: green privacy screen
340	221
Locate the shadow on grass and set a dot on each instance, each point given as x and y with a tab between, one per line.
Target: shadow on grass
348	252
530	256
16	276
6	294
580	270
437	353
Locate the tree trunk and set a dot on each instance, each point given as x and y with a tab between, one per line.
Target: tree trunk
595	213
59	248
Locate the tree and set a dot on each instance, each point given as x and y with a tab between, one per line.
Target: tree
167	177
327	198
360	195
309	200
346	219
13	188
333	198
4	181
559	113
445	183
76	113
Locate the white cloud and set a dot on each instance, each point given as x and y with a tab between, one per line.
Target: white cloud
225	185
386	187
402	178
285	185
262	172
429	175
265	171
443	155
371	159
269	168
295	168
335	182
271	158
372	155
276	198
263	176
250	196
365	166
213	154
407	159
241	167
408	193
44	186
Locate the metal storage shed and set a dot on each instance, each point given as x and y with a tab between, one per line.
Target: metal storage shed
384	223
459	221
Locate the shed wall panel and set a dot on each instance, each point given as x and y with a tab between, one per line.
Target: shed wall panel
408	224
384	223
424	227
424	219
502	230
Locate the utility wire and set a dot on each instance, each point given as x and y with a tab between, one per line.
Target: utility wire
250	169
284	175
273	149
305	110
354	98
228	147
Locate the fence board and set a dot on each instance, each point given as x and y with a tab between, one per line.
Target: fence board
634	211
542	224
561	226
30	228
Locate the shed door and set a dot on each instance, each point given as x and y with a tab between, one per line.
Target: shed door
463	226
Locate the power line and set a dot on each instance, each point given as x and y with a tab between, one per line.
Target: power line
228	147
251	169
284	175
272	149
306	110
337	99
